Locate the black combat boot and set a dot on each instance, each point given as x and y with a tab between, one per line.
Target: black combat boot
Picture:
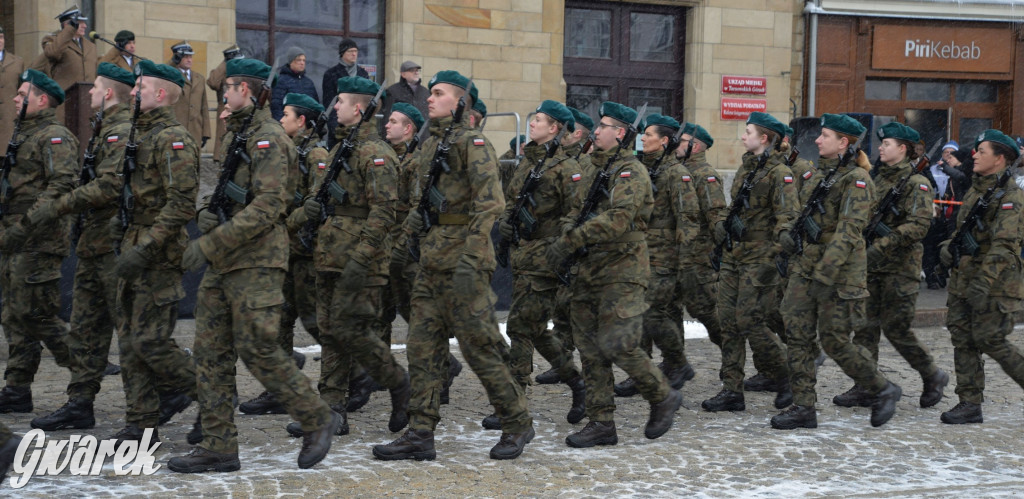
195	435
171	404
112	369
854	397
359	390
413	444
299	358
76	413
549	377
760	383
963	413
8	451
454	368
491	422
511	444
132	432
662	414
933	388
579	400
199	460
884	405
16	399
784	397
797	416
315	445
595	433
265	403
626	389
400	405
295	428
677	376
726	400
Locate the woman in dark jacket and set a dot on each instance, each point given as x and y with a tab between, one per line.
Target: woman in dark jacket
291	79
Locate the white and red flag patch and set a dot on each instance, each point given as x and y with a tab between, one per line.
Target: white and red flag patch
1006	206
922	187
624	175
321	165
712	179
177	145
576	177
56	140
479	142
861	184
263	144
808	174
787	179
686	178
112	138
378	161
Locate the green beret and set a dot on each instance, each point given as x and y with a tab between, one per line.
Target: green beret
768	121
993	135
842	123
581	118
304	101
789	132
662	120
480	107
688	128
162	71
357	85
116	73
411	112
702	135
453	78
44	83
558	112
250	68
512	143
618	112
898	131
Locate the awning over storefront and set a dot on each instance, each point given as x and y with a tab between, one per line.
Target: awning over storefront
959	10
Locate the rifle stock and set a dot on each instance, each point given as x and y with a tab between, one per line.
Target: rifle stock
10	160
127	200
876	227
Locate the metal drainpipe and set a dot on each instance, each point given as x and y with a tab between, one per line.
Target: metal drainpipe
811	8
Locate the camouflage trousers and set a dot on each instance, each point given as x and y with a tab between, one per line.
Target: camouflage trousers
890	310
299	301
663	321
31	298
747	298
562	329
237	315
975	332
813	310
439	309
151	361
534	298
607	322
93	319
699	296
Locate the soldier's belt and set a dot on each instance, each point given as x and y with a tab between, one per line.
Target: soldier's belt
452	219
351	211
629	237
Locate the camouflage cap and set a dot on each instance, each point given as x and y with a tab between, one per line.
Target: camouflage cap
558	112
702	135
303	101
249	68
411	112
164	72
116	73
44	83
768	121
842	123
662	120
357	85
581	118
480	107
898	131
454	78
512	143
993	135
618	112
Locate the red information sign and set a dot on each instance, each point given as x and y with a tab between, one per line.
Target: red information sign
740	109
755	85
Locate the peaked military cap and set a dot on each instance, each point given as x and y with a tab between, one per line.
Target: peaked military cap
250	68
112	71
480	107
512	143
162	71
357	85
661	120
898	131
72	13
233	52
558	112
304	101
842	123
618	112
993	135
581	118
183	48
44	83
702	135
411	112
768	121
454	78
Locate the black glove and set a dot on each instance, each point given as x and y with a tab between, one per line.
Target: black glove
720	233
204	142
787	242
506	230
312	209
415	221
557	251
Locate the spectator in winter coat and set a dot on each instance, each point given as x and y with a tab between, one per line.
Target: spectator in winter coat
292	79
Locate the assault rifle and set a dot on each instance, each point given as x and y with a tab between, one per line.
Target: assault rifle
890	204
734	227
415	142
598	189
304	148
804	224
88	173
10	159
330	187
127	201
431	195
520	214
586	145
655	169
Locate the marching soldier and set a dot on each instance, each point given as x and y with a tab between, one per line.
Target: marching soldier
191	107
452	292
68	57
216	83
607	302
828	281
748	279
30	255
509	161
894	263
11	67
238	307
985	289
122	55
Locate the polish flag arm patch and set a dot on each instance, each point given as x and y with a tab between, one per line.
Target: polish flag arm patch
1006	206
112	138
56	140
378	161
479	142
923	187
861	184
576	177
263	144
787	179
712	180
624	175
321	165
177	145
686	178
807	174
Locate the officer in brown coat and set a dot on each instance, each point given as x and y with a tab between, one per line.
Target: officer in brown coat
68	57
123	55
11	67
191	107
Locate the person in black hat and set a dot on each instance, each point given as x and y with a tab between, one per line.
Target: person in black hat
216	83
11	67
125	42
292	79
409	89
191	107
68	56
348	52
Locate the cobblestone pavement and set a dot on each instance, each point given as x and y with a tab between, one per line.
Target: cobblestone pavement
712	455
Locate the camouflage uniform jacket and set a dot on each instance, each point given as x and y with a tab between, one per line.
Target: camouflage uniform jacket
553	196
839	257
301	184
98	198
507	168
802	171
255	236
615	233
713	208
902	249
674	223
47	167
165	185
998	263
773	206
474	196
360	226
